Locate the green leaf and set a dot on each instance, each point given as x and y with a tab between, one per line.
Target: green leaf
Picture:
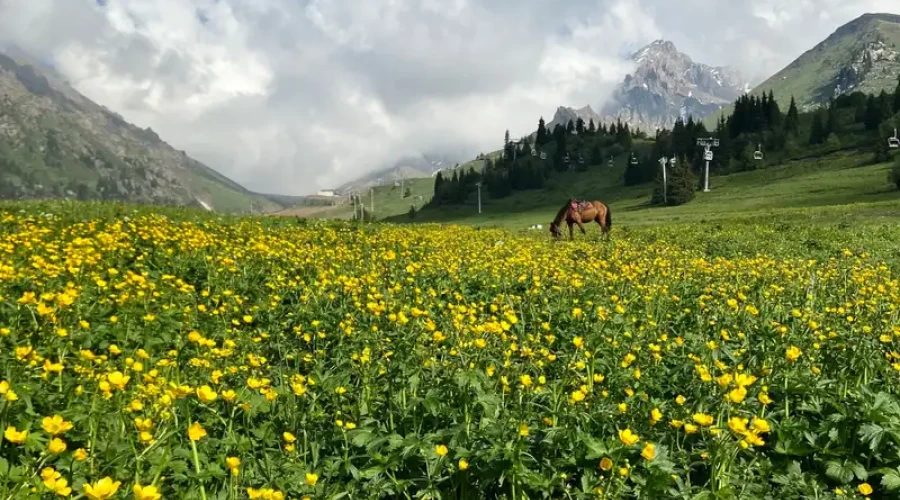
839	472
361	437
891	480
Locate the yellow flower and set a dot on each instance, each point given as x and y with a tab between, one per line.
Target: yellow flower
463	464
523	430
117	379
146	492
865	489
206	394
793	353
102	489
311	479
649	451
737	395
229	395
233	464
196	432
57	446
576	396
628	437
680	399
738	425
55	425
578	342
761	425
690	428
440	450
80	455
703	419
14	436
606	464
655	416
288	437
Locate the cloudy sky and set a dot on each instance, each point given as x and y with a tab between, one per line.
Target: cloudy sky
288	96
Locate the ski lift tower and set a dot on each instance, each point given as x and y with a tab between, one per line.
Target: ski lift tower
478	185
708	144
662	162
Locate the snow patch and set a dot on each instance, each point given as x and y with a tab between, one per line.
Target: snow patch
204	205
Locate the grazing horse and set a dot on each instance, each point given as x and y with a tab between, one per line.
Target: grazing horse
579	212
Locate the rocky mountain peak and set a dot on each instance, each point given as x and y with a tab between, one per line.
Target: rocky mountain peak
667	85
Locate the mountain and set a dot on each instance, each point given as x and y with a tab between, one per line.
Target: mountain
54	142
667	85
410	167
564	115
862	55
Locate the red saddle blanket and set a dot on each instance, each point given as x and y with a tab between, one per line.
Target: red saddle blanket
579	206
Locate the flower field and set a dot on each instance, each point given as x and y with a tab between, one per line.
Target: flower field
148	356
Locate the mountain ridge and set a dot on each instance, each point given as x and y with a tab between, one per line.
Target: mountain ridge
55	142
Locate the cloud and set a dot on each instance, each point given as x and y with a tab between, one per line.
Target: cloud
293	95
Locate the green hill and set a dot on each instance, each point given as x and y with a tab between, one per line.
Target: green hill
840	182
56	143
862	55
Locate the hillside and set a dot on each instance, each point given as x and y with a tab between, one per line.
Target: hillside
862	55
56	143
811	187
410	167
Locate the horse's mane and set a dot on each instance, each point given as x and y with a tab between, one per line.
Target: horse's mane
562	212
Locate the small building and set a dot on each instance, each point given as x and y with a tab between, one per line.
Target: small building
326	192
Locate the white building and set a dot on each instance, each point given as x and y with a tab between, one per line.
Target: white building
325	192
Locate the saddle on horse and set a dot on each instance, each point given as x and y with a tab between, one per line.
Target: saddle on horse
579	206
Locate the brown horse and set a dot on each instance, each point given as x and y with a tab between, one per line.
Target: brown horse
579	212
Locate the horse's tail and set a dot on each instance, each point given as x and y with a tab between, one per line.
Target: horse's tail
608	219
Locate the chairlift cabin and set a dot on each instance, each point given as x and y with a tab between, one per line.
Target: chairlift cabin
533	152
894	142
543	155
758	155
610	163
634	160
567	158
580	159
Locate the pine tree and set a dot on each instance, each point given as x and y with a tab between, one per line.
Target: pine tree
885	105
873	113
681	184
831	126
792	121
579	126
570	127
438	187
897	97
591	127
541	137
817	133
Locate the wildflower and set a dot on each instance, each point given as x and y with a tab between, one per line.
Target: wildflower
606	464
80	455
233	464
206	394
56	446
680	399
14	436
649	451
288	437
628	437
865	489
463	464
102	489
655	416
146	492
311	478
118	380
55	425
576	396
440	450
703	419
196	432
737	395
738	425
793	353
761	425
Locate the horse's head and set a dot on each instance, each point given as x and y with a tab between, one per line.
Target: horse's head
555	230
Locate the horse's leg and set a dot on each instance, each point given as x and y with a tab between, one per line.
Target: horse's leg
580	226
571	234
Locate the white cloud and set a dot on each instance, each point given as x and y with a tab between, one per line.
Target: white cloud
293	95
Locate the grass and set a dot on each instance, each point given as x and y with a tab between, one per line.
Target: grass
799	189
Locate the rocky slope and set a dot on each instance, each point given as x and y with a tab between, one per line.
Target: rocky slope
863	55
667	85
54	142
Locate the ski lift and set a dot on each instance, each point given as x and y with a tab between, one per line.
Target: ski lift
543	155
533	152
634	160
580	159
610	163
758	155
567	158
894	142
